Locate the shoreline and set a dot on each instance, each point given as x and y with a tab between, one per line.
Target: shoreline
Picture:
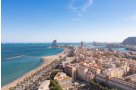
46	61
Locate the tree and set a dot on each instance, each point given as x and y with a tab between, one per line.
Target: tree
12	88
54	85
53	74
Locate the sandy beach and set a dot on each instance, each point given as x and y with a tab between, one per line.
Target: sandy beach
47	60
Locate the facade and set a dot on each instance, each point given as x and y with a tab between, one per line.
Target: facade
89	76
81	72
115	72
69	69
115	82
131	78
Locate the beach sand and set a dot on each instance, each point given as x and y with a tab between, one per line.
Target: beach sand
47	61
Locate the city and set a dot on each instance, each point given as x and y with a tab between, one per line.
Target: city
68	44
80	68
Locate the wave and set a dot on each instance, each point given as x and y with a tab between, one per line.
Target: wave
15	57
21	56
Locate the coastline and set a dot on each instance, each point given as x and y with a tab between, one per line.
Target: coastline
46	61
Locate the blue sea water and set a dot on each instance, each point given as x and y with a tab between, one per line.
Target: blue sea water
18	59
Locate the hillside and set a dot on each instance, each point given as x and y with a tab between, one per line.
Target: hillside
129	41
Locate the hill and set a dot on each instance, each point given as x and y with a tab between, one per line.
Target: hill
129	41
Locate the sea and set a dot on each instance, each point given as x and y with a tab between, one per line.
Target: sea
18	59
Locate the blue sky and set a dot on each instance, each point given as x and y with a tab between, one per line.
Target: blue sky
68	20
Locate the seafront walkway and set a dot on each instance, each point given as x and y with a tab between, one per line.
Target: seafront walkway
33	82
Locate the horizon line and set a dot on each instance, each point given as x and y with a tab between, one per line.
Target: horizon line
61	42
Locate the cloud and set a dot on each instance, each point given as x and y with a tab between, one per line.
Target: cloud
87	5
134	18
77	19
130	18
79	10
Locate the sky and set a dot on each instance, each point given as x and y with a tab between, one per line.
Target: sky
68	20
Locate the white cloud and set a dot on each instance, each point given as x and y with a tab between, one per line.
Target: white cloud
80	9
77	19
130	18
134	17
87	5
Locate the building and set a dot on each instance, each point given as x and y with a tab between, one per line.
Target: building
81	72
59	76
114	72
44	85
115	82
89	76
54	43
131	78
95	70
71	71
81	44
64	81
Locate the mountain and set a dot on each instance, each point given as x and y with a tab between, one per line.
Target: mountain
129	41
